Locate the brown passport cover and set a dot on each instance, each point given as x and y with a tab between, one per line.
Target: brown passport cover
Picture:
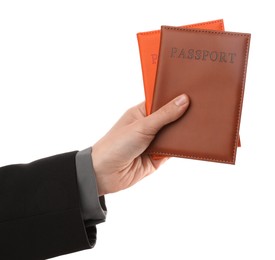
209	66
149	43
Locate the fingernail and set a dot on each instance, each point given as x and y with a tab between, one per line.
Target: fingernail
181	100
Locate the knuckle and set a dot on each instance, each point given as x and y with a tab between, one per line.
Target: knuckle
165	111
144	128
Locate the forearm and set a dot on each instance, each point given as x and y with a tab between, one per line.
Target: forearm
40	213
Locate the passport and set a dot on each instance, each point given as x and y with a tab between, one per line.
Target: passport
210	67
148	43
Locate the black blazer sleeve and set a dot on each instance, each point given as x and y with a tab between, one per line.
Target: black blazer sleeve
40	215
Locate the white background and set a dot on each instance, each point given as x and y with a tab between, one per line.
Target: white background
69	69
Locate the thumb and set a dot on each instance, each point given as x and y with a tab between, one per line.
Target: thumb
167	114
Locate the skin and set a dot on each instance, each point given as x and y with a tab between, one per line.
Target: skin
118	157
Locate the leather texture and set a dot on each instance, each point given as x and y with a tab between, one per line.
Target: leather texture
209	66
149	43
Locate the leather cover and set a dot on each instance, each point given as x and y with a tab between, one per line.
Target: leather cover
148	43
209	66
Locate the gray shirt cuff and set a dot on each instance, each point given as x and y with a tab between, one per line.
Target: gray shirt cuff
93	207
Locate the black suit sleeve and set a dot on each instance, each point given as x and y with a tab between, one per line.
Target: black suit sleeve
40	214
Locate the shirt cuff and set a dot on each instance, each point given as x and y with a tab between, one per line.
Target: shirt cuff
93	207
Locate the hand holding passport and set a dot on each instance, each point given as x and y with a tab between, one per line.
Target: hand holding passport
209	66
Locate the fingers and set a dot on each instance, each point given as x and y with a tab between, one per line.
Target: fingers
166	114
158	162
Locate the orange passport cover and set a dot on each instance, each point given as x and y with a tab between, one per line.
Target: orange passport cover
149	44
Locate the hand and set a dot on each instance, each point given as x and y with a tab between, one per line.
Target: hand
118	157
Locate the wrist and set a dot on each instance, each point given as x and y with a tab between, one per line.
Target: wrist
97	172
